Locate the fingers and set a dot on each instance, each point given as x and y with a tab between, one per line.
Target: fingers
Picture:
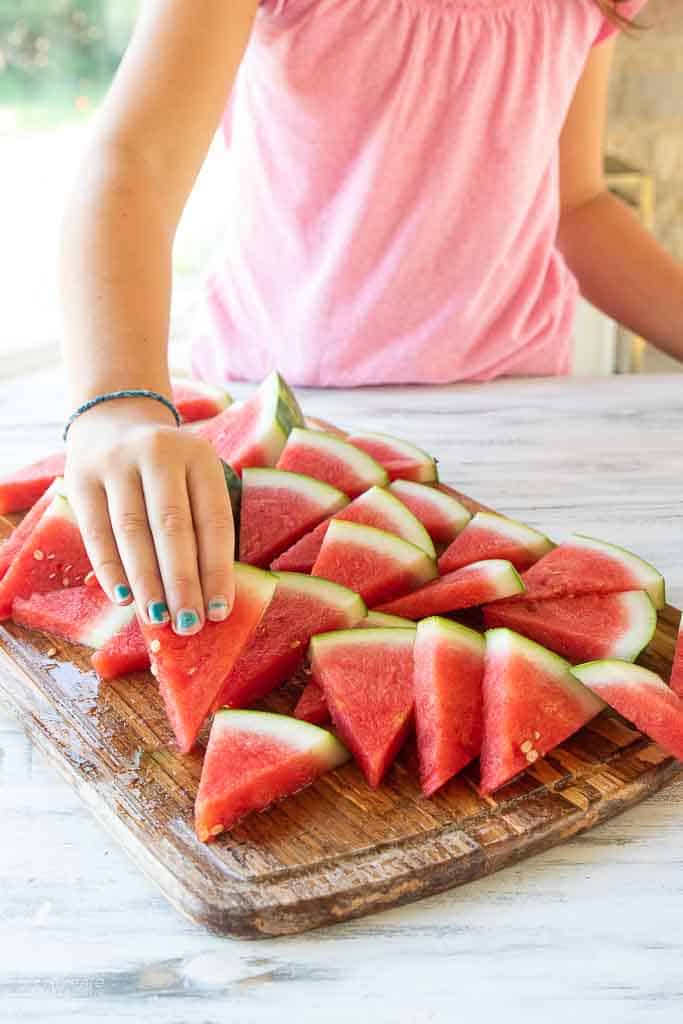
89	501
214	533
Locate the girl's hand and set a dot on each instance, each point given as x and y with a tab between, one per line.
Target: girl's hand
154	512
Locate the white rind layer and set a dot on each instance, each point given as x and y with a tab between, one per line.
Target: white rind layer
642	618
500	572
299	736
381	620
109	622
611	671
453	632
398	638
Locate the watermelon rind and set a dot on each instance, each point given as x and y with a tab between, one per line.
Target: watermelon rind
428	472
362	637
646	576
381	620
327	496
260	582
286	409
334	594
405	554
614	670
452	509
300	736
360	462
436	626
107	625
643	617
411	528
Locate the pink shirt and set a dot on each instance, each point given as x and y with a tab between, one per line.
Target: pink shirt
393	192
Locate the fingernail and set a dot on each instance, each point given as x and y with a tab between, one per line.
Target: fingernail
157	612
121	593
217	609
187	622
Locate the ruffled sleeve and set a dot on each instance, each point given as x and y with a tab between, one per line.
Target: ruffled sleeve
609	28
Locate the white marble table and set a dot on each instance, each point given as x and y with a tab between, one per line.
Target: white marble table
593	927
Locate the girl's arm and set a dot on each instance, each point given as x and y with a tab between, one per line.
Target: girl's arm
619	265
151	501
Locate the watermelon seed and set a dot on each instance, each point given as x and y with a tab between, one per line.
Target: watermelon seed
216	830
50	652
65	581
67	567
532	756
52	575
50	556
89	576
155	646
537	735
295	643
526	746
153	668
38	555
191	671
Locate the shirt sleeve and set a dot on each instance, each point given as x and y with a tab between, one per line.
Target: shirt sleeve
608	28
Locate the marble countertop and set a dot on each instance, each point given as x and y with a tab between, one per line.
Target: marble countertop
591	927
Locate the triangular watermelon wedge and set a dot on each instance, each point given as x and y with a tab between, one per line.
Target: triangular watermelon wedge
492	536
676	680
331	459
532	703
22	489
441	514
82	614
191	669
124	653
253	433
375	507
476	584
12	546
52	557
278	508
582	628
367	678
449	671
378	565
401	459
640	696
196	400
584	565
253	759
301	607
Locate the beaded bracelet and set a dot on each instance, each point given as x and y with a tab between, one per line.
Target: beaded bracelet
109	396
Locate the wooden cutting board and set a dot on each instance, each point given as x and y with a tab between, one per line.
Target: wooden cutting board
337	849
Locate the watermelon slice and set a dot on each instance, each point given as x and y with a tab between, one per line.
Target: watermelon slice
315	423
378	565
301	607
476	584
383	621
532	703
253	433
442	515
191	669
278	508
331	459
676	680
367	678
491	536
22	489
639	695
253	759
197	400
449	670
82	614
582	628
583	565
401	459
376	507
15	541
51	558
124	653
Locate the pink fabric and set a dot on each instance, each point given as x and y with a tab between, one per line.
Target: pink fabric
393	193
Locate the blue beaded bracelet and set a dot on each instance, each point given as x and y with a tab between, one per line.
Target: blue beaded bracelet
109	396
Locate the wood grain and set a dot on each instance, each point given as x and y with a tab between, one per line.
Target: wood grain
337	850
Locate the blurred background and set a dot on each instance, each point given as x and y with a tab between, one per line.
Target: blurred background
57	58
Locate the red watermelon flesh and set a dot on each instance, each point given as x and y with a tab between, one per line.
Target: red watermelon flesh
441	514
52	557
476	584
640	696
124	653
367	679
376	507
16	539
197	400
449	670
532	703
332	460
676	681
191	669
312	706
82	614
583	565
22	489
378	565
401	459
278	508
254	759
253	433
301	607
492	536
582	628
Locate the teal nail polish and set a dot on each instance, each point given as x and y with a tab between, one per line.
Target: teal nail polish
157	612
217	609
121	592
186	620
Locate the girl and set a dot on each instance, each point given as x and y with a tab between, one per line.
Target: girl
415	194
